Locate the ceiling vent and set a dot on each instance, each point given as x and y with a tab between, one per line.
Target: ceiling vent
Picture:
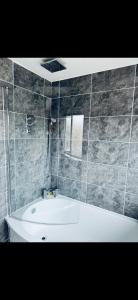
53	64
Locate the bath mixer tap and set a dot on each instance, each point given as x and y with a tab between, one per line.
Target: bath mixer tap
49	193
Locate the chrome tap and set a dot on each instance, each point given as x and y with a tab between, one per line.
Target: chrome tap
49	193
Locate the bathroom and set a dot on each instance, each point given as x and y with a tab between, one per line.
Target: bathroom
68	150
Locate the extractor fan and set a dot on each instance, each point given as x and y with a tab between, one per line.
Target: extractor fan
53	64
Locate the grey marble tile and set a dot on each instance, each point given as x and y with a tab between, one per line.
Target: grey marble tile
84	150
37	129
2	153
10	154
24	195
106	198
110	128
3	211
134	133
11	128
1	98
133	156
108	153
26	79
2	179
113	79
30	151
6	70
131	206
6	96
47	88
86	128
83	195
28	102
84	171
21	97
136	81
132	181
78	148
10	97
135	106
9	124
48	104
71	188
35	105
13	202
29	182
54	165
28	194
3	231
47	181
78	190
46	128
113	103
75	105
11	193
12	180
55	108
54	147
61	146
54	181
55	130
3	205
75	86
1	126
72	168
107	176
55	89
37	190
62	128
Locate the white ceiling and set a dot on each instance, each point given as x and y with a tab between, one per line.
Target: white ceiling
75	66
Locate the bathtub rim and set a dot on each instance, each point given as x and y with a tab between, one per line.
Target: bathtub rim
29	238
79	202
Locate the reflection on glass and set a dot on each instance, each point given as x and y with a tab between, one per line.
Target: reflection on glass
74	135
68	134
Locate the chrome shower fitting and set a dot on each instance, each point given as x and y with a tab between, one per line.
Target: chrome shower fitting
52	121
29	122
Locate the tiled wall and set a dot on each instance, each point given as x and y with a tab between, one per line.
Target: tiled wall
105	173
29	166
99	166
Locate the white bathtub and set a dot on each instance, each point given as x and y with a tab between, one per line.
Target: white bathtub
63	219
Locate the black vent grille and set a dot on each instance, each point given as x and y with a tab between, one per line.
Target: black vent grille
53	66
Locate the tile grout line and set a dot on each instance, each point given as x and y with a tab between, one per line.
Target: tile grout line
88	142
93	184
14	154
104	116
102	91
127	167
21	87
97	141
101	164
85	117
57	173
23	113
43	87
5	163
30	91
